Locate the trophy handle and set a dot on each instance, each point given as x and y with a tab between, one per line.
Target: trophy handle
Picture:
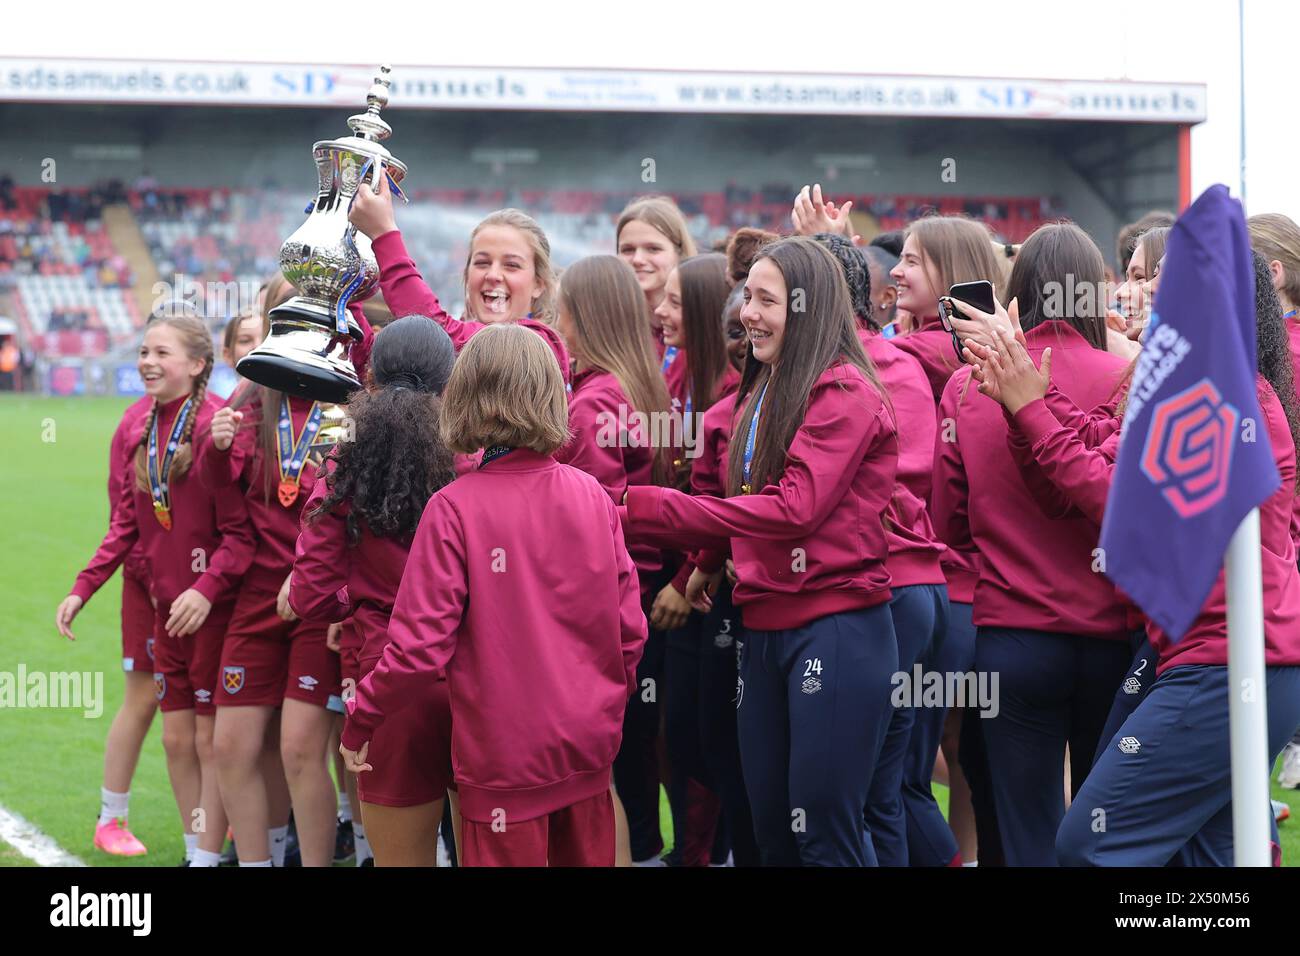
376	170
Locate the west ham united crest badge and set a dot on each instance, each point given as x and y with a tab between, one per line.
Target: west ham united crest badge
233	679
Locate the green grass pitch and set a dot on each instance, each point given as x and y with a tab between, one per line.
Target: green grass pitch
54	509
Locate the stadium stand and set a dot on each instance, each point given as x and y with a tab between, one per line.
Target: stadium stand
74	293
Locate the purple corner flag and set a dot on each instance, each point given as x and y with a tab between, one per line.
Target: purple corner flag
1195	456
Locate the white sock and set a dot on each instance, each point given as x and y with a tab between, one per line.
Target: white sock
112	805
972	863
345	807
191	844
362	844
444	858
278	838
242	864
204	857
653	861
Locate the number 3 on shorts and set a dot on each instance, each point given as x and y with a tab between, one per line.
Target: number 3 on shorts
813	666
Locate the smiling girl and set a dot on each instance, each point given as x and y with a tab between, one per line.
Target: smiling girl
939	252
508	274
1136	294
134	717
814	451
197	544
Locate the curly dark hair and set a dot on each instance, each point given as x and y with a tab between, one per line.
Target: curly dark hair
856	274
396	459
1274	347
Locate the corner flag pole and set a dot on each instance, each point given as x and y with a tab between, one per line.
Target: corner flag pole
1247	696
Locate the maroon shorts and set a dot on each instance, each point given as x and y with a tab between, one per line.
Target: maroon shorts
581	834
411	751
185	668
349	655
137	625
265	659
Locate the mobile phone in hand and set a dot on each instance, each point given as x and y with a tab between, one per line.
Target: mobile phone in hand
978	294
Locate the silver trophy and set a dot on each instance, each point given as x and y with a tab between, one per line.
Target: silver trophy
330	264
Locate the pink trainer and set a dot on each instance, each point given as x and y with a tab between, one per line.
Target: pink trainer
113	837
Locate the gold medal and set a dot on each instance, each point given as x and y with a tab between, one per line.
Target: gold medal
293	454
288	492
163	514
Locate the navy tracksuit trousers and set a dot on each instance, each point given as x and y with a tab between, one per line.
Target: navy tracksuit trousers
1053	689
1161	791
813	705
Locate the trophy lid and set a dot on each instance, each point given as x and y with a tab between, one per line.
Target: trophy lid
368	125
368	130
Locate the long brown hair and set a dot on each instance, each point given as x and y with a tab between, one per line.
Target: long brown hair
197	342
821	334
704	293
1057	259
611	320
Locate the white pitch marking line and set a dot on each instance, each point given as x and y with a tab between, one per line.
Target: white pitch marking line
27	838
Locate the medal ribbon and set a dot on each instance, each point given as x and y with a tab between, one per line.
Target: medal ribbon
493	453
291	462
750	438
670	353
158	490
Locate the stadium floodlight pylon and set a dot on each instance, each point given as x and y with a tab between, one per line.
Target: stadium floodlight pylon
331	264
